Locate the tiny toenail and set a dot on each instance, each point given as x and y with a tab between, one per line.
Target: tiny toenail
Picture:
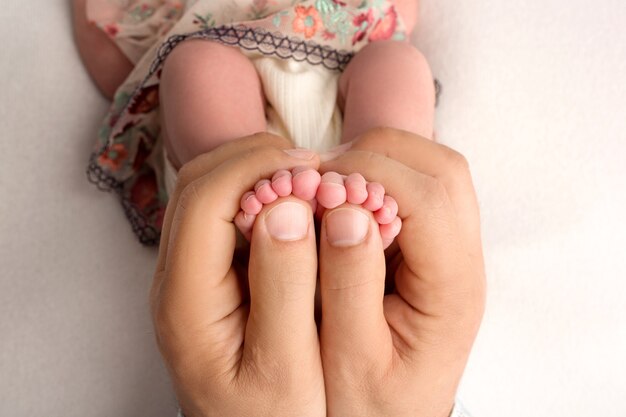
346	227
288	221
300	153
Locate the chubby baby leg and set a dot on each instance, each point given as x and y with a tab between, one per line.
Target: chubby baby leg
323	192
409	10
209	93
105	62
387	84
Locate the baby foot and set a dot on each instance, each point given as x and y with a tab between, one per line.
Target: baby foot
322	192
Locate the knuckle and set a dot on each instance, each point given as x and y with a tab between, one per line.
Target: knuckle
371	158
270	138
434	193
187	195
162	325
455	158
378	139
456	163
186	174
263	152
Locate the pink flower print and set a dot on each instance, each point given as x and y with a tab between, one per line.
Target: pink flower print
327	35
111	29
144	191
307	21
113	156
385	27
159	217
362	22
145	101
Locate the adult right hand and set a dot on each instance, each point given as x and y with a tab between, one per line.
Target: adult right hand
230	354
402	354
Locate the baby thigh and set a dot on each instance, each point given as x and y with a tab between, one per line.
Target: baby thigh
387	84
209	93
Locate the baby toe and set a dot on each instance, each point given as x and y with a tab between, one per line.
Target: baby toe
305	182
356	188
244	223
250	204
331	192
375	196
281	183
388	232
264	192
388	212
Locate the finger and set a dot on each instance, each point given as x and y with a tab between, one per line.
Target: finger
435	160
352	284
202	238
282	278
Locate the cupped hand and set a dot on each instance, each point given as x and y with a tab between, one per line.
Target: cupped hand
229	356
402	354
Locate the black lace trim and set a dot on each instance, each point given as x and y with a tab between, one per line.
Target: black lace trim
267	43
147	234
437	91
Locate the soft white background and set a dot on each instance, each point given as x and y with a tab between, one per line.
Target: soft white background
535	97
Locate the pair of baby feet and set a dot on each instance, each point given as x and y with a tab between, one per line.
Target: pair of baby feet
322	192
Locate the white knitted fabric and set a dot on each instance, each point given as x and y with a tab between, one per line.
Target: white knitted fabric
302	102
302	105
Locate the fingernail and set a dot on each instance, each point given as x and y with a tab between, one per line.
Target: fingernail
346	227
300	153
287	221
333	153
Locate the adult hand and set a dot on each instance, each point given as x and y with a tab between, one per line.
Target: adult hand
228	356
404	354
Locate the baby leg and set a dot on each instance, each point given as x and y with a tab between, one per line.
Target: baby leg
105	62
408	10
326	192
387	84
209	93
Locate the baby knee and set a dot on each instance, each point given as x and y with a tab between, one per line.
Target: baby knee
198	54
400	52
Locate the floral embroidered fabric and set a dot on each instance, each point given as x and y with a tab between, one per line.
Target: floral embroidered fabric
127	158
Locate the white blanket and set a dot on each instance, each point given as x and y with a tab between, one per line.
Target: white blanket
534	94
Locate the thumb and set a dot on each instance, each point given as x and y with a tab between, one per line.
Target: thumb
282	278
352	282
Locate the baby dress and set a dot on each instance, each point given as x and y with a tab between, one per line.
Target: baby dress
298	47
